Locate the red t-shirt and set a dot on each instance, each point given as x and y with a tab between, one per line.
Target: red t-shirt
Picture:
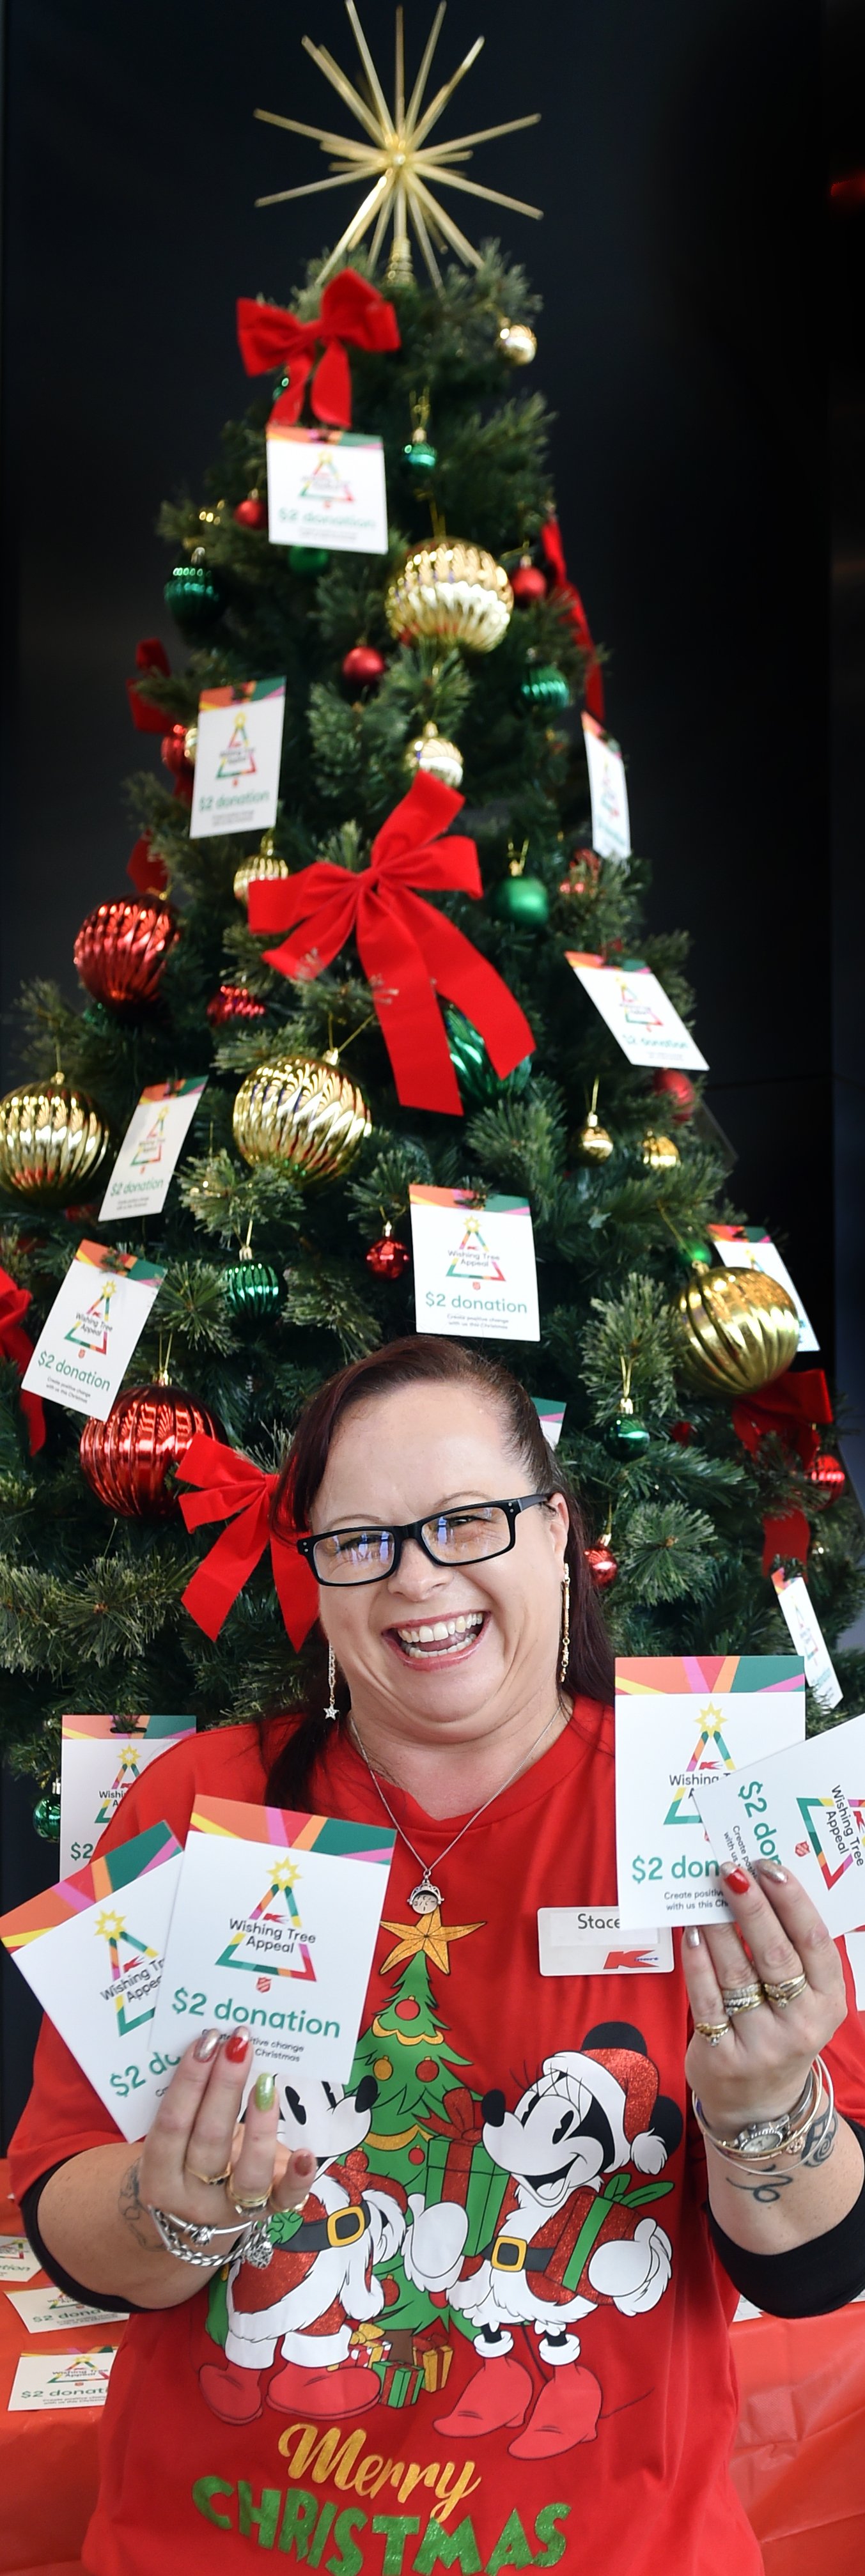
498	2334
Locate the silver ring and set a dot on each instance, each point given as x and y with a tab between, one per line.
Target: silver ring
743	1998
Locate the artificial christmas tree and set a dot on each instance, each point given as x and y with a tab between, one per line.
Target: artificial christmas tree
336	1079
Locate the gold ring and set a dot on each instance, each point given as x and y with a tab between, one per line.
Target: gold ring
742	1998
247	2201
211	2178
712	2030
785	1991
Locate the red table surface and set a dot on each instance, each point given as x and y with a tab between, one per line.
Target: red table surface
799	2462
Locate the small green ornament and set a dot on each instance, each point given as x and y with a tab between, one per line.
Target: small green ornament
544	686
195	596
524	900
420	453
308	559
251	1288
693	1249
46	1814
280	386
478	1082
629	1435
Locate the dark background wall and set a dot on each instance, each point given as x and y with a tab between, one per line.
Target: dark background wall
682	261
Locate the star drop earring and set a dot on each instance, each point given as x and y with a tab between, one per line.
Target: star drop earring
331	1711
565	1650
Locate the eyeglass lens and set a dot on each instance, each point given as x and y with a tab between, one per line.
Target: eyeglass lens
453	1538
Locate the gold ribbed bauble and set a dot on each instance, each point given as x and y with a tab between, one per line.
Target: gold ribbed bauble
264	864
301	1110
659	1152
593	1142
454	591
736	1329
516	341
51	1141
431	751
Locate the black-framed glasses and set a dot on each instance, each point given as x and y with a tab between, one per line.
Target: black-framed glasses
466	1536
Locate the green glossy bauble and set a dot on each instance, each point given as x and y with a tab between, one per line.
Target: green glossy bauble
308	559
544	686
478	1082
629	1435
251	1288
46	1814
524	900
195	596
693	1249
421	453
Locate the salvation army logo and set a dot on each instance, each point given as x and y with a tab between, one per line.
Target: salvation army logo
269	1942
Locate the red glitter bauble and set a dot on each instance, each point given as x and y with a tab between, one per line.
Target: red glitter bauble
678	1092
233	1002
407	2010
828	1472
251	513
121	949
602	1564
388	1258
363	665
172	750
427	2070
128	1459
528	582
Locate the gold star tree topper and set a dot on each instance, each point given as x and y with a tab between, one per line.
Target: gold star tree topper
397	158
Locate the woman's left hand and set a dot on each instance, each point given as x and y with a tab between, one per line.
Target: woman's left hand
758	2068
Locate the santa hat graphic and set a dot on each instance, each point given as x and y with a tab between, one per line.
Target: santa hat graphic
614	2067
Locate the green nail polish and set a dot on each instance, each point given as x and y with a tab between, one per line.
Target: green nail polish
265	2090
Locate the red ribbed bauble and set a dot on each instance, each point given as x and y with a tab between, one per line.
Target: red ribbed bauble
363	666
121	949
678	1093
388	1258
233	1002
528	582
172	751
602	1564
251	513
827	1472
127	1459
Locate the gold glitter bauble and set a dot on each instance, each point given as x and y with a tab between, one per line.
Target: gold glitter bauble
190	743
51	1141
432	752
517	342
659	1152
264	864
736	1329
454	591
301	1110
593	1141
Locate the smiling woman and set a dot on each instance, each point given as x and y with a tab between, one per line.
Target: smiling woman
505	2261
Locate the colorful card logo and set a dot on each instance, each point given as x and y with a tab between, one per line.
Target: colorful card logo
130	1764
838	1822
150	1146
238	758
327	485
92	1324
472	1258
269	1942
709	1753
134	1972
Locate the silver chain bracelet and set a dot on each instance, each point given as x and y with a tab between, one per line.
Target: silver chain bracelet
191	2243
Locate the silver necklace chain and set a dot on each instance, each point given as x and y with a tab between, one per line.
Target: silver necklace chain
424	1898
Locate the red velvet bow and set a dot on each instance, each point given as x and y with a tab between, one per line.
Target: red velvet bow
351	309
552	548
16	1345
233	1488
791	1407
148	872
409	952
150	655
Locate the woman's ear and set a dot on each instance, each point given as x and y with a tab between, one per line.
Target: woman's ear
559	1527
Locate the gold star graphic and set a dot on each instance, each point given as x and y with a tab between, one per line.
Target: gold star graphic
111	1925
427	1938
285	1872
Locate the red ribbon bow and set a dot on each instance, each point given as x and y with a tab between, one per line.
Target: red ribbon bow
791	1407
552	548
16	1345
409	952
351	309
150	655
233	1488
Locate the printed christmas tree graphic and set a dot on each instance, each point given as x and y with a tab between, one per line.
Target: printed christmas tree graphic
149	1147
813	1814
126	1953
83	2367
91	1328
473	1258
128	1771
238	758
709	1751
276	1912
639	1012
326	484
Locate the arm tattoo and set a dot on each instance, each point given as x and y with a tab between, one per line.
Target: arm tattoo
131	2207
764	2188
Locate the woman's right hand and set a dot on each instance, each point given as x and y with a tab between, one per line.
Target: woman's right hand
196	2133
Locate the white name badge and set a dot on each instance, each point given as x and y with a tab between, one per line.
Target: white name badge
87	1341
588	1941
325	487
611	826
237	758
46	2382
157	1129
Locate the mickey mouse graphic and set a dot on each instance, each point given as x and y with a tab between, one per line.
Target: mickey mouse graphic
567	2239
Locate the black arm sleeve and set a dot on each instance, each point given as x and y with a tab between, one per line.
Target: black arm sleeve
63	2280
808	2280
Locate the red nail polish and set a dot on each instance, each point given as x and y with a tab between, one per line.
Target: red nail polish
236	2047
738	1880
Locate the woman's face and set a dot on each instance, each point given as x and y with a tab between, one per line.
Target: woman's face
495	1642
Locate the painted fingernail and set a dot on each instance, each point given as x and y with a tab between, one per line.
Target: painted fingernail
735	1877
207	2045
692	1937
772	1869
265	2090
236	2047
304	2167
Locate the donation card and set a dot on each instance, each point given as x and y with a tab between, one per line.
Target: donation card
44	2380
157	1129
237	758
98	1315
636	1009
806	1808
683	1724
17	2259
99	1760
795	1601
611	829
325	487
273	1933
588	1941
550	1416
474	1267
746	1247
92	1951
47	2311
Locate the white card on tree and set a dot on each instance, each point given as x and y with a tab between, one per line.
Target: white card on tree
474	1267
611	827
237	758
325	487
145	1165
794	1600
100	1758
87	1341
681	1720
638	1011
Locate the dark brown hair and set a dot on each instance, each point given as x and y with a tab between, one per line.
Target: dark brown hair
421	1359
